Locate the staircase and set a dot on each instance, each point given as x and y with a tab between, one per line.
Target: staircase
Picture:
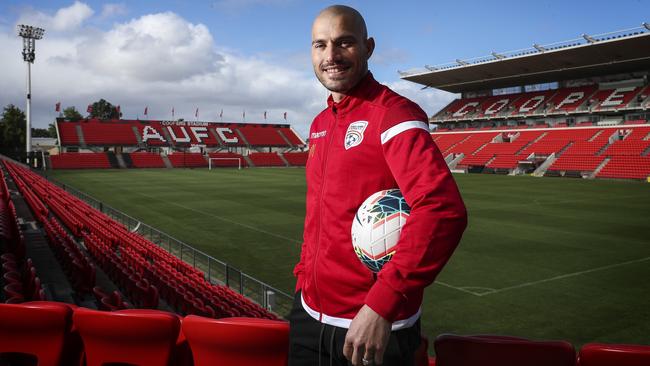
113	160
165	159
249	161
281	155
539	172
80	133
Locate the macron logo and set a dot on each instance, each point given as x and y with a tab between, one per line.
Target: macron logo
316	135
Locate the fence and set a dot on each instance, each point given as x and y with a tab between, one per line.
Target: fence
216	271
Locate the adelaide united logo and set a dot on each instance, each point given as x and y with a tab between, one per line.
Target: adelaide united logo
354	134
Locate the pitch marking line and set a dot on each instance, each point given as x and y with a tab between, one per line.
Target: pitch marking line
222	219
483	291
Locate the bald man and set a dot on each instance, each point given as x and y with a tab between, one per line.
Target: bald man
368	139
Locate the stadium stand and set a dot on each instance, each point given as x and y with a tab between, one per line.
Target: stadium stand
144	271
626	167
266	159
68	133
187	160
617	152
297	159
93	132
262	135
96	132
146	160
80	161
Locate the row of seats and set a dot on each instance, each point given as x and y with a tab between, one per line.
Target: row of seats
563	100
577	148
95	132
177	160
493	350
146	160
55	334
134	262
19	279
266	159
80	161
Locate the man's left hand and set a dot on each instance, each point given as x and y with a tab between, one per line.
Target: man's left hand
367	338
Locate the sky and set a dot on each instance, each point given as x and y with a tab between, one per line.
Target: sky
254	55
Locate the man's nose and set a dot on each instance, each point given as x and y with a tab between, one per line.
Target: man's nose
333	53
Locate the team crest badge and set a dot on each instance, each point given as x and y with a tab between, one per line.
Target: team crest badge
354	134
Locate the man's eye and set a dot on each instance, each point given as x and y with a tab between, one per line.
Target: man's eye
318	45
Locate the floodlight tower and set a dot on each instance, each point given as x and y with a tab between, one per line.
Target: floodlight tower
30	35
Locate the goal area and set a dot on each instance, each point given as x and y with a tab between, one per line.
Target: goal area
224	163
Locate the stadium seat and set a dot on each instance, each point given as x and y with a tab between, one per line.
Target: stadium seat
237	341
134	337
599	354
37	329
491	350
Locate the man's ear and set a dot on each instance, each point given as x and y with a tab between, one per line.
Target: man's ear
370	46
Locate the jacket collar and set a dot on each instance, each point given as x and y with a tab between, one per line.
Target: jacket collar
361	92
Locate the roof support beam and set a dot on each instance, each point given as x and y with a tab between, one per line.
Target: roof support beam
588	38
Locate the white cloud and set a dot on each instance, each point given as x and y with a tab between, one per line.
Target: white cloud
155	47
65	19
110	10
431	100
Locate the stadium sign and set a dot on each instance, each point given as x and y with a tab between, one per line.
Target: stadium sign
182	132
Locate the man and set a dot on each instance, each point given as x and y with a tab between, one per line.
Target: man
367	139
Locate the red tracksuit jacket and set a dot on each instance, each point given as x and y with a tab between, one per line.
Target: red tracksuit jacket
374	139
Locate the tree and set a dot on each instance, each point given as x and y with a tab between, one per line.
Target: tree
71	114
51	129
103	109
12	129
40	132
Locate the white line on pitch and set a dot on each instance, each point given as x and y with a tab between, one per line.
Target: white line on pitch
461	289
564	276
222	218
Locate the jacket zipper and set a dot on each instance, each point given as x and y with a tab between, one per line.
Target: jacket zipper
320	211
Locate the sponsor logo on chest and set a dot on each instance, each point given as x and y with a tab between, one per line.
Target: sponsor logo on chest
354	134
317	135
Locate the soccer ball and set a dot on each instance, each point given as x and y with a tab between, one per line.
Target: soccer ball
377	226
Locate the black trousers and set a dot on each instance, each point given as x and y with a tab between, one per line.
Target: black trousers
313	343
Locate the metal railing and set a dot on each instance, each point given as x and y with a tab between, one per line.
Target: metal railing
583	40
216	272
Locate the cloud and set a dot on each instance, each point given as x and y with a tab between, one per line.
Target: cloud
65	19
110	10
155	47
431	100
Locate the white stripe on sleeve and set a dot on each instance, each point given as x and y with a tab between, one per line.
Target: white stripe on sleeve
401	127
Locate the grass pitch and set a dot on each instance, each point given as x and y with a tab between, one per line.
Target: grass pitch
542	258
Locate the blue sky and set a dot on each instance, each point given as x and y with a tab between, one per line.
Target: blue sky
259	50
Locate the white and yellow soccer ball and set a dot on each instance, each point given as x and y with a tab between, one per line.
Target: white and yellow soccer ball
377	226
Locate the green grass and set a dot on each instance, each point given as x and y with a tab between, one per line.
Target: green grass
544	258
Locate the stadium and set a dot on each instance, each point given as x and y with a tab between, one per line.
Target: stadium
179	237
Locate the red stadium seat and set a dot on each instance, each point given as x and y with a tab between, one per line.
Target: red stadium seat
599	354
135	337
237	341
37	329
489	350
